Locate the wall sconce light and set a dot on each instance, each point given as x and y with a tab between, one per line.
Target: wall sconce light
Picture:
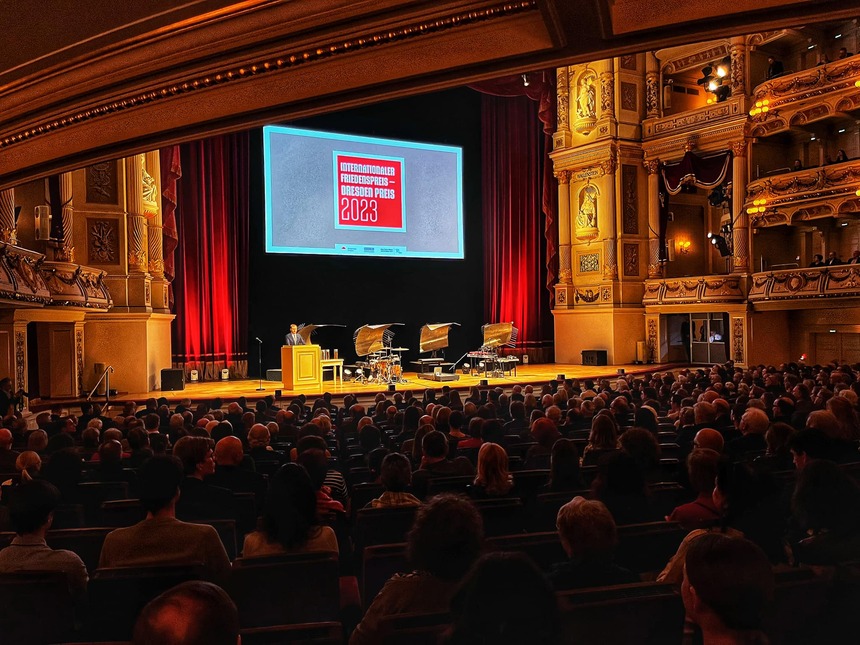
762	107
683	246
43	222
758	206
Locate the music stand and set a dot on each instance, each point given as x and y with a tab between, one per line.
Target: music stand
434	336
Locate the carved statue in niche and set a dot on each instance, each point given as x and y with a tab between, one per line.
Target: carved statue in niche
587	217
586	102
150	189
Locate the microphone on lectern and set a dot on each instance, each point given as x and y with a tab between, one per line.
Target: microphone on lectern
257	338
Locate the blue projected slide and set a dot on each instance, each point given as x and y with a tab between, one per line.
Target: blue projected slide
338	194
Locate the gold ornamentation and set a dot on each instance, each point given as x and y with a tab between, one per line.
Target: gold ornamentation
738	339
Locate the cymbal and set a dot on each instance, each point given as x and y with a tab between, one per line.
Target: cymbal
399	349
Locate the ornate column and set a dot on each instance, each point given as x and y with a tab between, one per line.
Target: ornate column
655	268
564	286
139	280
652	86
155	231
562	138
740	235
607	218
607	91
8	226
738	49
65	252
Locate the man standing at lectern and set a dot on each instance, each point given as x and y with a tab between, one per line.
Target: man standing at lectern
293	337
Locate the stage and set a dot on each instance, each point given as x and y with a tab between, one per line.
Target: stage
525	375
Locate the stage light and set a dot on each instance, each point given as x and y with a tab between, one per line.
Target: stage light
347	373
481	364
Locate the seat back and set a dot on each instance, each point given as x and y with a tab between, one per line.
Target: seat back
543	548
546	508
122	512
502	516
648	547
86	543
118	594
413	629
286	589
94	494
363	494
383	525
527	483
795	616
642	613
379	563
304	634
25	597
457	484
69	516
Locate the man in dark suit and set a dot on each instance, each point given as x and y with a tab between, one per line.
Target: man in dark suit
833	259
293	337
199	500
230	475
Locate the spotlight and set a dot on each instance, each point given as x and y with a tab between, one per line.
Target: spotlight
525	80
347	373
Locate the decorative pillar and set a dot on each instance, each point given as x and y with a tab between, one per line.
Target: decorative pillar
652	86
564	268
607	218
738	75
740	235
65	252
155	231
139	280
655	268
562	138
607	91
8	225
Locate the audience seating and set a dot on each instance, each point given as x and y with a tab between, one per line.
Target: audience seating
456	484
69	516
87	543
527	483
800	597
644	548
379	563
382	525
544	548
363	494
546	508
502	516
93	494
118	594
303	634
37	608
414	629
122	512
286	589
665	496
643	613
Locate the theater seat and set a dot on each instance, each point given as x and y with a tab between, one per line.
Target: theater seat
543	548
305	634
379	563
86	543
37	608
502	516
94	494
413	629
648	547
382	525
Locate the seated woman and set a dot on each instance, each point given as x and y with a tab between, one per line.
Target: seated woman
289	523
445	540
545	433
564	474
28	464
396	477
602	440
493	478
588	535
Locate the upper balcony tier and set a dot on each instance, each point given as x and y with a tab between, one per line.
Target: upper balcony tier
803	97
824	191
692	121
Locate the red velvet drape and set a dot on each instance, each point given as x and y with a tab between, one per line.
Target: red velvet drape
211	285
515	246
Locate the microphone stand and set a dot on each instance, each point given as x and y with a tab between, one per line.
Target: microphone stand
260	347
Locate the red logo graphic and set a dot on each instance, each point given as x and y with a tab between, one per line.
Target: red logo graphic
369	192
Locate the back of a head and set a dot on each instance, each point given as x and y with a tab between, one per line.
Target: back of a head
316	464
228	451
193	613
435	445
446	537
290	509
191	451
505	600
704	412
396	472
110	453
709	438
702	466
31	503
732	577
587	530
158	482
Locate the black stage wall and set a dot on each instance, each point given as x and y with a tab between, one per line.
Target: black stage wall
358	291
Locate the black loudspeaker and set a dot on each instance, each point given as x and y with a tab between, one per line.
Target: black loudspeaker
278	394
172	380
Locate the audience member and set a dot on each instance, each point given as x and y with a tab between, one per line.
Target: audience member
564	473
702	466
493	479
200	500
396	476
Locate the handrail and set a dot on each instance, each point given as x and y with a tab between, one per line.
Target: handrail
106	378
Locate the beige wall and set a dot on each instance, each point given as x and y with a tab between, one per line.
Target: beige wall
615	330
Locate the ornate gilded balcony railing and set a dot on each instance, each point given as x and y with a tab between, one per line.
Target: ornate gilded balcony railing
805	96
695	289
792	284
694	120
26	278
824	191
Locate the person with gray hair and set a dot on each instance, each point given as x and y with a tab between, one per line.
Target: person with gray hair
588	534
754	425
193	613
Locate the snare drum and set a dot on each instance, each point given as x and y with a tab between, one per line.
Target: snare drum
382	365
396	370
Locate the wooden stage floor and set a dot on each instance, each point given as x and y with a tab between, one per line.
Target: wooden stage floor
526	374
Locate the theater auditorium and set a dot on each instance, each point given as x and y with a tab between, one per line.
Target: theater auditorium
429	322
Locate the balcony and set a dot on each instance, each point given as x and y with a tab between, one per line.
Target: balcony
825	191
691	121
803	97
841	281
722	289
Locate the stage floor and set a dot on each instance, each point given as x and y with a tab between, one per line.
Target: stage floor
525	374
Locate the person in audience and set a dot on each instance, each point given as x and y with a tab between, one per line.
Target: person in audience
727	586
843	53
230	475
833	259
709	438
641	444
37	441
702	466
316	464
754	424
201	500
545	433
31	510
493	479
65	471
396	476
28	465
817	260
161	539
841	156
192	613
621	485
506	600
435	463
775	68
808	444
290	522
474	430
589	536
602	440
826	504
7	455
258	445
138	443
564	473
446	538
777	457
518	424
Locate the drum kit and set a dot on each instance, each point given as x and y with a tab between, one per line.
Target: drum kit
383	366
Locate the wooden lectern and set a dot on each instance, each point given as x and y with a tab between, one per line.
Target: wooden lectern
300	366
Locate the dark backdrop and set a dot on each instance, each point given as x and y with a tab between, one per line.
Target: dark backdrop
357	291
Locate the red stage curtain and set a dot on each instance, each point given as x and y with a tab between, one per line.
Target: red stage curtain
516	244
211	284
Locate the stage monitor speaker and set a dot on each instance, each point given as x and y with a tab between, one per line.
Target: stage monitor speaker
484	382
442	376
274	375
278	394
560	377
392	387
172	380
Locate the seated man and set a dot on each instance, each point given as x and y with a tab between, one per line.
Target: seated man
7	455
230	475
435	463
31	509
258	445
588	535
201	500
161	539
193	613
